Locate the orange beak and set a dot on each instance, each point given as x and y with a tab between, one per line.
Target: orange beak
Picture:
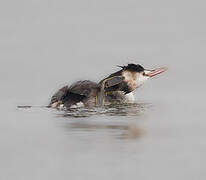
155	72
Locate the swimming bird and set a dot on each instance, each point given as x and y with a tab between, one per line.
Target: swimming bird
117	87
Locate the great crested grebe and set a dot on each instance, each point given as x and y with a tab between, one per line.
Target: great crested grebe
117	87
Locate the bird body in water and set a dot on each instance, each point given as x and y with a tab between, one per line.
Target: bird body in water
117	87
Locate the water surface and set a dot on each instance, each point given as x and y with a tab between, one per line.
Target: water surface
47	44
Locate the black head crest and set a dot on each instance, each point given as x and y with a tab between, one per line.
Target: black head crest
133	67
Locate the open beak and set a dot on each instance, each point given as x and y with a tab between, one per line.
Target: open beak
155	72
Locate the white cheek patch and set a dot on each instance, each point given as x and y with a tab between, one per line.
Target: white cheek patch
140	79
134	80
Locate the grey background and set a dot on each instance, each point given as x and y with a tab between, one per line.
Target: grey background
46	44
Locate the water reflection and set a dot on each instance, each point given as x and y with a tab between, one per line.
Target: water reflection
119	120
113	120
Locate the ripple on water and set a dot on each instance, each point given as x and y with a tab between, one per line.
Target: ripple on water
133	109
